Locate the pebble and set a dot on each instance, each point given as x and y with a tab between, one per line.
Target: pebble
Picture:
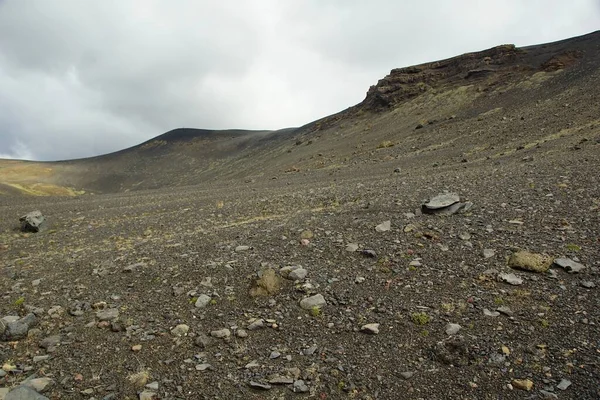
152	386
452	329
242	248
564	384
241	333
258	324
298	274
313	301
50	342
523	384
299	386
38	359
274	355
490	313
109	314
147	395
258	385
373	329
180	330
384	226
202	301
203	367
221	333
136	347
352	247
488	253
359	279
505	310
511	279
407	375
588	284
464	236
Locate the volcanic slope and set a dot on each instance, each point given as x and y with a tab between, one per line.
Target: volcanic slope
155	281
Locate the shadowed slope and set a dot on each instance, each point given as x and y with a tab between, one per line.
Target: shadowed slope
472	107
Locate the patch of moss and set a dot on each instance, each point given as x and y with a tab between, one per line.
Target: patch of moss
420	318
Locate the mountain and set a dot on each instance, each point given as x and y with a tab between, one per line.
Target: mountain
473	106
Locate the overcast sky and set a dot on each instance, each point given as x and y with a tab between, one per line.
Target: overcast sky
82	78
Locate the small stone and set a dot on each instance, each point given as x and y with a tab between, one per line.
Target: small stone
298	274
369	253
548	395
359	279
281	380
490	313
588	284
407	375
441	201
50	342
529	261
241	333
180	330
352	247
409	228
452	329
203	367
274	355
569	265
38	359
373	329
202	340
511	279
261	386
136	347
505	310
147	395
505	351
299	386
221	333
488	253
40	385
384	226
464	236
523	384
242	248
564	384
152	386
313	301
109	314
202	301
258	324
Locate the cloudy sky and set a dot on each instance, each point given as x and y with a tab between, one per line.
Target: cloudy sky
82	78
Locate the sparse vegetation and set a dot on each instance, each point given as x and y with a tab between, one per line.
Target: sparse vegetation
420	318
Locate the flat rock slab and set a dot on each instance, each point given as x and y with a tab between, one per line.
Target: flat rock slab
441	201
32	221
569	265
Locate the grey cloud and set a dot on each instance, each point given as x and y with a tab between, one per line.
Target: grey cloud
85	78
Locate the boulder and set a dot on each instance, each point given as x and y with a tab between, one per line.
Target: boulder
32	221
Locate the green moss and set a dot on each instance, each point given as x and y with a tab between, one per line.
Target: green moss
316	311
573	247
420	318
19	302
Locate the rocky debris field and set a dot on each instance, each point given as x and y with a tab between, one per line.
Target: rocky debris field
366	285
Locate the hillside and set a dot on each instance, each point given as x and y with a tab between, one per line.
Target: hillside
439	240
481	104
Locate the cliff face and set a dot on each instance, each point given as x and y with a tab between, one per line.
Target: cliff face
500	64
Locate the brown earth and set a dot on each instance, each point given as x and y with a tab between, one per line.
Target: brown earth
515	131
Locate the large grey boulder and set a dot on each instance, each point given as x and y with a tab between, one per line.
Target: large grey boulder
32	222
15	329
24	393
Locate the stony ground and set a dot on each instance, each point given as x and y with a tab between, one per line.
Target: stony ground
153	294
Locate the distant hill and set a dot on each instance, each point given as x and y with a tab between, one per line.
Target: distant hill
476	106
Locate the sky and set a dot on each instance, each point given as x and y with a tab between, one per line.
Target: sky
83	78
